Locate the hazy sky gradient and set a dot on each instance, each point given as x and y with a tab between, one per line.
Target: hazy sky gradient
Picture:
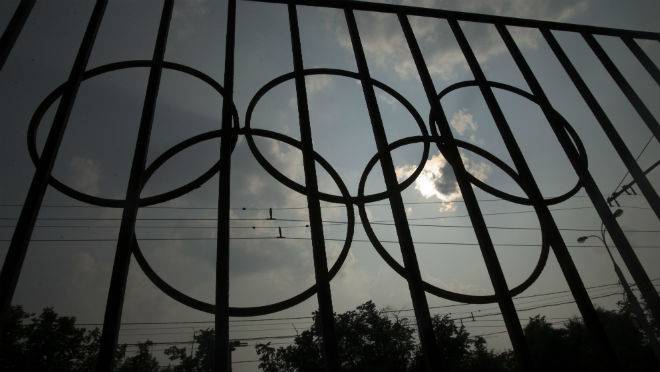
97	150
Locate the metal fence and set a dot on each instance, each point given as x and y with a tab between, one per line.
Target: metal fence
438	134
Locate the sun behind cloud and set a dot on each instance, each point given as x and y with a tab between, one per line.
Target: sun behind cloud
437	179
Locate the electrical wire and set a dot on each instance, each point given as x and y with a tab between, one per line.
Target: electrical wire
233	322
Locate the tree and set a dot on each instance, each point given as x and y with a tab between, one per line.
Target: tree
550	347
204	356
48	342
11	341
368	341
458	351
571	348
484	360
143	361
186	363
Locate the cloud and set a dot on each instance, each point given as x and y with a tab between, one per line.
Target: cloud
186	15
353	284
318	83
386	47
314	85
437	180
255	184
463	122
84	175
84	262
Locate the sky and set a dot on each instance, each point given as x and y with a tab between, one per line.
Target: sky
95	157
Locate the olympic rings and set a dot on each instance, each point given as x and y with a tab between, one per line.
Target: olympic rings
360	200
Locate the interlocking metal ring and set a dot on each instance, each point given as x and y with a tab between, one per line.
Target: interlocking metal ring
120	203
252	310
321	195
556	116
443	293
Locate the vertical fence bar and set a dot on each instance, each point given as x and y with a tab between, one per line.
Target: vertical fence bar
518	158
14	29
311	185
643	58
623	245
495	272
222	347
553	235
414	276
623	84
20	241
597	198
115	300
619	145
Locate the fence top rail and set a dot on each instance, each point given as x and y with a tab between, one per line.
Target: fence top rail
470	17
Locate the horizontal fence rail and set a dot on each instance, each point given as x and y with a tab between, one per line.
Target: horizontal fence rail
435	133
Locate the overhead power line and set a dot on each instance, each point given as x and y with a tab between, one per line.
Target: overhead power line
235	339
494	227
269	219
251	320
235	328
639	155
62	240
616	193
536	295
538	306
178	342
175	207
293	219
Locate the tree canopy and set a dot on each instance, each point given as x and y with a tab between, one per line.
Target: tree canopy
51	343
369	339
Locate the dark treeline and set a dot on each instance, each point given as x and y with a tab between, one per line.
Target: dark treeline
369	340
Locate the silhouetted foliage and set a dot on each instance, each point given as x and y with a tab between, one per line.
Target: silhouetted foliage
571	348
47	342
202	361
186	363
459	352
374	341
143	361
368	339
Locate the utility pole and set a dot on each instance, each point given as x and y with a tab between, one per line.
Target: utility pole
628	188
634	303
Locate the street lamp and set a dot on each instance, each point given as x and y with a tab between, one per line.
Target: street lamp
617	213
636	308
603	239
